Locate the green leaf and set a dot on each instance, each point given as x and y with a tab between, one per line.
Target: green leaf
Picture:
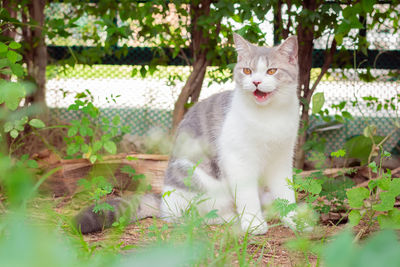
3	47
131	158
83	130
14	133
347	115
318	101
79	140
125	129
97	146
89	132
13	56
338	154
11	93
356	197
84	148
372	184
384	183
386	154
93	158
14	45
283	206
368	5
373	167
114	131
37	123
110	147
391	220
17	69
72	149
32	164
340	251
143	71
354	217
8	126
387	202
85	183
116	120
105	120
394	187
342	31
85	121
4	62
370	131
72	131
339	38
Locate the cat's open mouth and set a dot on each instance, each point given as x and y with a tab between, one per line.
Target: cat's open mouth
261	96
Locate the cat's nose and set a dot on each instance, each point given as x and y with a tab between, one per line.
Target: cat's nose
256	83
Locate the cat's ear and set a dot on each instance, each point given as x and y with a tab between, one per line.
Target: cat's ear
242	46
290	48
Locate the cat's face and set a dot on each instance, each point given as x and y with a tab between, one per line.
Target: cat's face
263	72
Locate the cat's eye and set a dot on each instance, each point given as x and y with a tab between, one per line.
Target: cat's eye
271	71
247	71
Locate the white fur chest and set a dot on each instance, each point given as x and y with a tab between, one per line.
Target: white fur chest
260	131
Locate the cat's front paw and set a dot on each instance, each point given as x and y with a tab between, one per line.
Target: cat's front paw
254	225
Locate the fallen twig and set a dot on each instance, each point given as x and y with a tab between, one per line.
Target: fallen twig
334	172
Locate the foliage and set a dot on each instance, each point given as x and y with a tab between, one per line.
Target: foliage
382	249
98	187
11	92
377	202
83	134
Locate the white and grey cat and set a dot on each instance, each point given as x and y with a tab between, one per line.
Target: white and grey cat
238	143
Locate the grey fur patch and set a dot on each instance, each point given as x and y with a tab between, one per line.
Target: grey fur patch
196	139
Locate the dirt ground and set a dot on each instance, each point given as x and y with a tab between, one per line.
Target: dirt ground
275	252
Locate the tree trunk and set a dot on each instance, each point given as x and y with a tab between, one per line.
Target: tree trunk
305	38
191	90
199	47
36	57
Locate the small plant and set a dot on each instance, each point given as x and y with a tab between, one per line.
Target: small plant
321	192
377	201
98	187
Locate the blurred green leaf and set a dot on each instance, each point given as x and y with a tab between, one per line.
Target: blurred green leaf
37	123
13	56
72	131
110	147
14	133
14	45
11	94
318	101
3	47
354	217
356	197
8	126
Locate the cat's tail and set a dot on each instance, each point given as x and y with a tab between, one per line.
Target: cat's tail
133	209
